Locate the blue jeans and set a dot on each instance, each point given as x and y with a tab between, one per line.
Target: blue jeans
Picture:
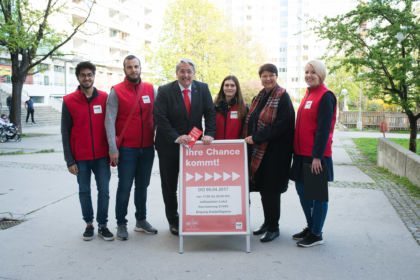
315	211
101	170
134	164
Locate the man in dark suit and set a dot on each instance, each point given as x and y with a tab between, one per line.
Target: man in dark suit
180	106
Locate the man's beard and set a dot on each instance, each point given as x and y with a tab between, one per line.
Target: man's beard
134	80
86	87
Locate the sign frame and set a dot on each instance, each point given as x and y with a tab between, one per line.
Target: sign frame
244	195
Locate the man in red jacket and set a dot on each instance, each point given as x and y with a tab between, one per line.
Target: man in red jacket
129	127
85	147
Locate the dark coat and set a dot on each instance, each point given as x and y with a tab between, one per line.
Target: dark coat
273	173
171	117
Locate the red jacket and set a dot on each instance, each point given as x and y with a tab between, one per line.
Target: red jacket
88	137
140	130
229	126
307	122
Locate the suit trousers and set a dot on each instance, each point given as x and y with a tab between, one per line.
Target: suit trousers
169	169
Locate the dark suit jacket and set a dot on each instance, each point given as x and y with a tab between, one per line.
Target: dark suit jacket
171	117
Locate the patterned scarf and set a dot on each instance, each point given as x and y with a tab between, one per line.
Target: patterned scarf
267	117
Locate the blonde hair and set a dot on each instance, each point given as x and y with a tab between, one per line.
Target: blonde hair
319	67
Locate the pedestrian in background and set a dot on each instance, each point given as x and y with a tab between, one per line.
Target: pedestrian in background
130	131
315	123
268	131
230	109
30	110
9	104
85	147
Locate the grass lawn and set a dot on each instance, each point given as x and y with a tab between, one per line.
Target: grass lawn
368	147
404	143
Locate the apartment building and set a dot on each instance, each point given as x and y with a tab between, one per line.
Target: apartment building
115	29
282	27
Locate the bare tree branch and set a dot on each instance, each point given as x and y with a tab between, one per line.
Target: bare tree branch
75	30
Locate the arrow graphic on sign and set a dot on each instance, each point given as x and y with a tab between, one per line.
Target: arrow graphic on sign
198	176
226	176
207	176
216	176
188	176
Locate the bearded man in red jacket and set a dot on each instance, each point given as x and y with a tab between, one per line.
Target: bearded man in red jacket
130	131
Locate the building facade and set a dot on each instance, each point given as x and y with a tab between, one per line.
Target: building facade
115	29
283	29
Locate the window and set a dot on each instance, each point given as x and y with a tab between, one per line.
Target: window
112	13
113	32
147	26
58	69
124	35
147	11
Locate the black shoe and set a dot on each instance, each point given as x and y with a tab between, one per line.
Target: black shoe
270	236
302	234
88	234
105	234
310	240
261	230
174	229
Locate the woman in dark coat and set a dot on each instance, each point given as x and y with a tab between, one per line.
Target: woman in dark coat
268	131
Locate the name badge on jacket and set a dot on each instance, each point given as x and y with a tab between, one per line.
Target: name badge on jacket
234	114
308	104
146	99
97	109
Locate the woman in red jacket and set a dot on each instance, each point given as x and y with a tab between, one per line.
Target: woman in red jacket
230	109
312	146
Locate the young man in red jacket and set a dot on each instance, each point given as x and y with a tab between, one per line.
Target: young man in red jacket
129	119
86	148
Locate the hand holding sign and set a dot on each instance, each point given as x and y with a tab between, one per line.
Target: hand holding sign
194	134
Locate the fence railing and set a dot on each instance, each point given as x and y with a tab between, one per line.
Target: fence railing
395	121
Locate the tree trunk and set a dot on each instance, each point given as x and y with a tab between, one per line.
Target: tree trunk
15	116
413	132
19	73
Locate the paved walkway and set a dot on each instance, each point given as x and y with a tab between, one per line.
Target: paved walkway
407	206
366	238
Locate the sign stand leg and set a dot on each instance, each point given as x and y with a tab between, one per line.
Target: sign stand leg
248	244
181	244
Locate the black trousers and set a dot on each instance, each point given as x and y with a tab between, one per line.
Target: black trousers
169	169
30	112
271	206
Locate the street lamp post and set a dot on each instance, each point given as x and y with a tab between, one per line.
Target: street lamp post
342	108
65	77
359	117
344	93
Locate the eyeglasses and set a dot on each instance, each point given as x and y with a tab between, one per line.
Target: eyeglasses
88	75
